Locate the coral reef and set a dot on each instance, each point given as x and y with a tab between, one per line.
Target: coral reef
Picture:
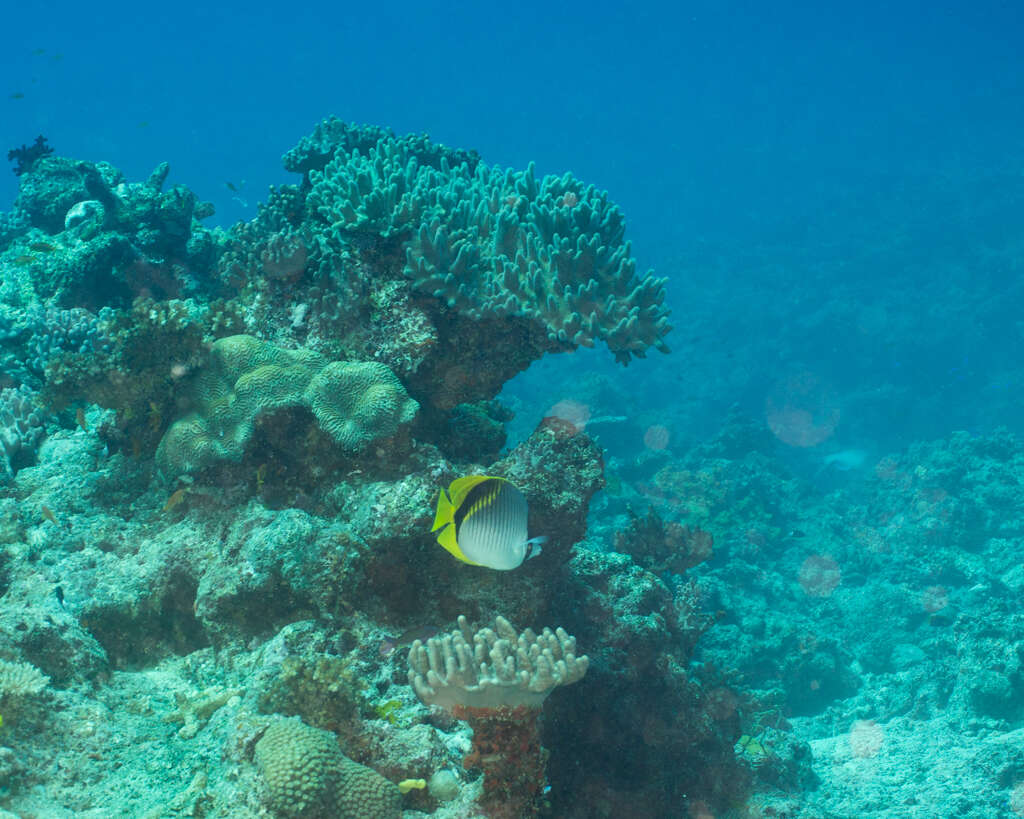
311	379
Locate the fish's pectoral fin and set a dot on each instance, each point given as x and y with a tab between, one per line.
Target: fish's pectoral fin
533	546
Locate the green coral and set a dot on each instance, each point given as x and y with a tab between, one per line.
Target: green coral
489	242
308	777
354	402
390	711
322	690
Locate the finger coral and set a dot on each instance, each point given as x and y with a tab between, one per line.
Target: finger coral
493	667
20	679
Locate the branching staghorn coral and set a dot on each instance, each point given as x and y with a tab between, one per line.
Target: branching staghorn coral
497	680
485	241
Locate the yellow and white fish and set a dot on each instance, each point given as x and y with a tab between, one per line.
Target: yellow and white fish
482	521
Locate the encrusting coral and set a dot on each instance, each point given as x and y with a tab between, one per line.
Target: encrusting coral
354	402
497	680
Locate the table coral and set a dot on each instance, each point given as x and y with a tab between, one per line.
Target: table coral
493	242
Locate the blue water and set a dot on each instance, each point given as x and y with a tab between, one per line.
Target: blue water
834	192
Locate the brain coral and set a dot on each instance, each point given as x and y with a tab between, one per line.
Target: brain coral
308	777
354	402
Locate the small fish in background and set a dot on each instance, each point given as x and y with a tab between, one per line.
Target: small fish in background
81	420
42	247
47	514
389	645
237	190
17	95
38	52
481	520
175	499
21	261
846	460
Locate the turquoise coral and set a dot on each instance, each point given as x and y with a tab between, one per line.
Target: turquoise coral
489	242
354	402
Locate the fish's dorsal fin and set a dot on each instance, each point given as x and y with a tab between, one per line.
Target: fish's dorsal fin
461	487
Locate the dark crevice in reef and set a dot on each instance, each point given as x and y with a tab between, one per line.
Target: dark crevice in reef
140	635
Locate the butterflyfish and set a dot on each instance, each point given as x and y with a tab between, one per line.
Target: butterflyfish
481	520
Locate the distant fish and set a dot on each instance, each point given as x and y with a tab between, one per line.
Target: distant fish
846	460
482	521
47	513
389	644
38	52
23	260
17	95
176	498
80	418
42	247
